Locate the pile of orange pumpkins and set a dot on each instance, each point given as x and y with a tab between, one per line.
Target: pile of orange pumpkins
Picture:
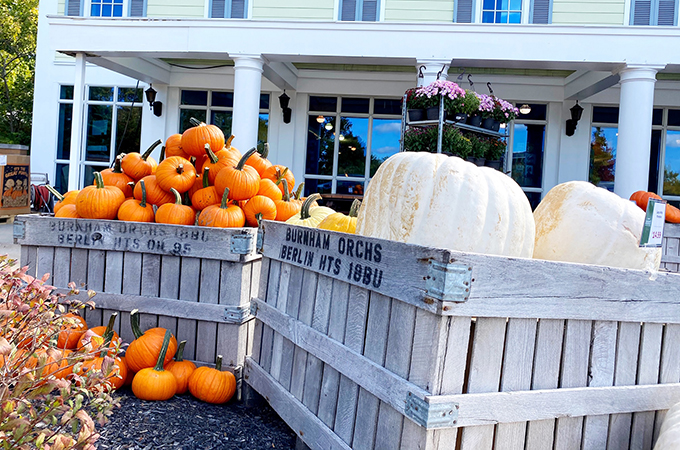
148	364
202	180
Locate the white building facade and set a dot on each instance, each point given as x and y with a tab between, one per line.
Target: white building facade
346	64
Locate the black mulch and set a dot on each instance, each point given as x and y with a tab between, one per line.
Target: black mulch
189	424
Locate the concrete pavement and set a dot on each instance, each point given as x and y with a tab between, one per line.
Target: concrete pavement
7	245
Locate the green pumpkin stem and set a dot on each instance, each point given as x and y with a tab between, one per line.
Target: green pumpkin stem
304	211
98	179
258	218
195	122
354	209
164	350
178	197
281	175
134	324
286	193
143	202
298	192
179	356
108	337
148	151
264	153
109	326
187	199
218	362
225	196
206	178
211	155
162	157
55	193
116	164
244	158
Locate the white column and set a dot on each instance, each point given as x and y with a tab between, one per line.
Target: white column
635	128
77	123
247	84
430	69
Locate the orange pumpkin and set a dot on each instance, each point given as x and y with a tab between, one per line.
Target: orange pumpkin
173	147
154	194
62	200
194	139
242	181
278	173
223	215
233	151
137	166
259	208
641	198
71	331
217	161
181	369
156	383
206	196
197	186
117	372
259	160
96	336
68	212
99	201
286	207
269	189
116	177
144	350
212	385
136	210
175	172
130	373
176	213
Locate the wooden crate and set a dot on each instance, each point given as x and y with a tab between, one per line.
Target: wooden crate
367	343
197	282
670	260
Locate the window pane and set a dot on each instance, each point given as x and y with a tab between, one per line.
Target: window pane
603	156
387	106
66	93
538	112
515	17
502	17
605	114
326	104
534	199
195	98
98	141
224	99
355	105
353	142
95	11
657	117
262	131
222	119
101	94
489	4
264	101
186	114
384	141
671	179
349	187
515	5
501	4
106	10
674	117
654	158
320	146
118	11
527	155
64	133
128	129
61	178
487	17
89	173
130	95
320	186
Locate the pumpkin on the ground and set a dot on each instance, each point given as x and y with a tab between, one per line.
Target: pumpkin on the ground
156	383
443	201
99	201
341	222
144	350
95	336
212	385
181	369
310	216
72	329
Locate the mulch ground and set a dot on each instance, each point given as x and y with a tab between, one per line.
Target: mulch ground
189	424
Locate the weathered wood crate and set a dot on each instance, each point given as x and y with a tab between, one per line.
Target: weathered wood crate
197	282
670	260
366	343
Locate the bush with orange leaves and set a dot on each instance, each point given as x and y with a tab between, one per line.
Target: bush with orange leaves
48	397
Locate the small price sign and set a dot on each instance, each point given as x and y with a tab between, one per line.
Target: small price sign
652	231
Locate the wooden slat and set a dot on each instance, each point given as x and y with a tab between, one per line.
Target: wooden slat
272	290
189	287
29	255
206	332
113	284
485	371
169	288
45	263
670	366
671	230
308	427
259	329
282	300
62	266
132	271
96	262
151	276
671	250
305	314
158	239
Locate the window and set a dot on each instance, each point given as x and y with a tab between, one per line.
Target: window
654	12
502	11
347	140
216	108
113	124
527	141
229	9
106	8
359	10
604	136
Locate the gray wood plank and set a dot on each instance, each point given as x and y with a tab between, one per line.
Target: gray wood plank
234	283
45	263
170	276
29	255
642	431
281	302
263	274
132	284
670	367
272	290
151	277
189	286
206	332
292	309
96	276
62	266
305	316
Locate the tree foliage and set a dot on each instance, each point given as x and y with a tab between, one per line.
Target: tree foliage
601	158
18	35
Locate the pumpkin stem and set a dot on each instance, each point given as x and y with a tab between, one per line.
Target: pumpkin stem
244	158
218	362
148	151
178	198
55	193
108	337
286	192
265	150
134	324
304	211
116	164
213	158
162	154
131	184
354	209
164	350
187	199
206	178
224	198
98	179
109	326
228	143
298	192
143	202
195	122
281	175
180	169
258	218
179	356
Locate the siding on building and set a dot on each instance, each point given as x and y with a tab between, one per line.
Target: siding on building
294	9
588	12
175	8
61	6
419	10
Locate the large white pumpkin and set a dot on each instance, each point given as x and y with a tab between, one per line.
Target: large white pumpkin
669	434
579	222
442	201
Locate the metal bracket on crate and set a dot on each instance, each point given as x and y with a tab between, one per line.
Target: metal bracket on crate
19	230
441	415
448	282
242	244
238	314
259	244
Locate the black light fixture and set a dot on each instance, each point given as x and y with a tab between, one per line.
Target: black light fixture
156	107
284	100
576	112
